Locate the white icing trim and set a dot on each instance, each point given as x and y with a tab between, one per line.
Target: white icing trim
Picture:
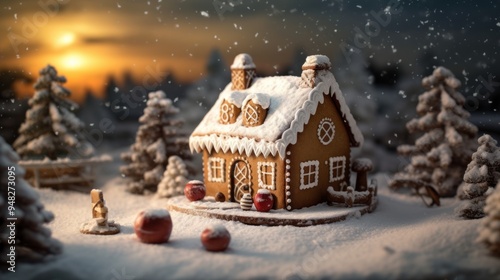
329	132
233	144
262	174
216	163
236	98
309	185
341	167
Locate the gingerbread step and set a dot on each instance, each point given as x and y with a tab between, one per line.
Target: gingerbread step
315	215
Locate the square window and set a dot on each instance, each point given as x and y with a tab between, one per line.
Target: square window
216	169
309	174
337	168
267	175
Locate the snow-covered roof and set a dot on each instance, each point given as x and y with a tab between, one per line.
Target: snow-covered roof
243	61
290	107
236	98
317	61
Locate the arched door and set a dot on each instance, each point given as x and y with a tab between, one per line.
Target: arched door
240	180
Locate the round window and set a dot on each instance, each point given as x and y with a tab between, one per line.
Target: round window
326	131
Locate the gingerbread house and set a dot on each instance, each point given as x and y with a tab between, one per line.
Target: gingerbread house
290	135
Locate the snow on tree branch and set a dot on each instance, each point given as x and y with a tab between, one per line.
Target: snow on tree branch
440	155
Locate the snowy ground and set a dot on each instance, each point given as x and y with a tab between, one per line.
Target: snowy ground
401	239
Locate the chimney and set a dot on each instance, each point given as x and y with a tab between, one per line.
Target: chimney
242	72
314	67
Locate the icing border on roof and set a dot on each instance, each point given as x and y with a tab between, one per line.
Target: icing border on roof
328	86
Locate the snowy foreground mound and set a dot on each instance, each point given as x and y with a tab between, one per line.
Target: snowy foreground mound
401	239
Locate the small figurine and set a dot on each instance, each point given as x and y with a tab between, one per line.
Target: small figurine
99	224
246	202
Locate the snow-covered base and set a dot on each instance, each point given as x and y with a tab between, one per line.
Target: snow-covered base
401	239
92	227
230	211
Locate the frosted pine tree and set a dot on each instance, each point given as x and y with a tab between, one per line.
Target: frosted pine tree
489	231
51	129
482	173
157	139
33	240
174	178
440	156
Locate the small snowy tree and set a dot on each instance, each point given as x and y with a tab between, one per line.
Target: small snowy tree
157	139
482	173
489	231
440	156
33	241
51	129
174	178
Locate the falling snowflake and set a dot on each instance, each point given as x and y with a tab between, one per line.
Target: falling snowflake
387	10
205	14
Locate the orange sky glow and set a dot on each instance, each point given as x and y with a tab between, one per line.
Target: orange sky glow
87	41
88	46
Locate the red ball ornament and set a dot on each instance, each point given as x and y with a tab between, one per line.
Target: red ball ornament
263	200
195	190
215	238
153	226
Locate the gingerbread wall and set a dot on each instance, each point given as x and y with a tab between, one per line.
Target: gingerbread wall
310	148
229	160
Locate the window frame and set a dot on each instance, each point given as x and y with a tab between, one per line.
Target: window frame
262	175
337	168
221	166
315	174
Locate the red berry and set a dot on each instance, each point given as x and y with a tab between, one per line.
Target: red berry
263	200
195	190
215	238
153	226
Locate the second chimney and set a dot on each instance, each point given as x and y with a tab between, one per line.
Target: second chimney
314	66
242	72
